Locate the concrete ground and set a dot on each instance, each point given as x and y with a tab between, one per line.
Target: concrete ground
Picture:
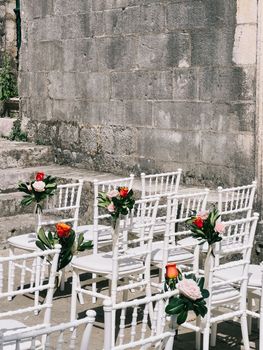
229	335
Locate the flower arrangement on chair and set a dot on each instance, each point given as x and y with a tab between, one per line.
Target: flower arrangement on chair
191	296
66	237
206	228
117	202
37	190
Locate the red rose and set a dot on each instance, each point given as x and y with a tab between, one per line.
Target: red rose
40	176
198	222
171	271
123	191
63	230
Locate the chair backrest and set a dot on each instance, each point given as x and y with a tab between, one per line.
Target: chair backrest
63	206
134	331
99	214
35	264
160	184
137	247
236	246
52	337
180	208
236	200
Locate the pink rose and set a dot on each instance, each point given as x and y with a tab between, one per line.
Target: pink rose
220	227
112	193
203	215
111	207
189	289
39	186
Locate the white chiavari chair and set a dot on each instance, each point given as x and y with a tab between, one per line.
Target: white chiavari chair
134	330
124	267
228	292
52	337
177	245
36	260
62	207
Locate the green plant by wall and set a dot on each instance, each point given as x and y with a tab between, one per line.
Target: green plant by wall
17	134
8	83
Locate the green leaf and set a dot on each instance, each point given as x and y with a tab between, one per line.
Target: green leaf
205	293
85	246
43	238
181	318
175	306
40	245
201	283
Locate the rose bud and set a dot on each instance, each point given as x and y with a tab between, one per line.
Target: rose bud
40	176
111	207
220	227
198	222
123	191
171	271
63	230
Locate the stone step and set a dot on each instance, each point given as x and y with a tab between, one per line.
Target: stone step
23	154
10	204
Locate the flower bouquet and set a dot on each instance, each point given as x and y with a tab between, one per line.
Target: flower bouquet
117	202
66	237
37	190
206	228
191	296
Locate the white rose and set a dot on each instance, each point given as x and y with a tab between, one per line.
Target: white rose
39	186
189	288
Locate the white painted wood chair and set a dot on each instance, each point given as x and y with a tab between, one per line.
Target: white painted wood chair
37	262
236	201
163	185
98	232
227	290
134	318
180	207
59	337
124	267
62	207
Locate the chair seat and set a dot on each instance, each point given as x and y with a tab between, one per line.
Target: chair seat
254	274
10	325
26	241
102	264
104	232
224	293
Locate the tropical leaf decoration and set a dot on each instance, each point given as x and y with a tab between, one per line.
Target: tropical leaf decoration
37	190
66	237
117	202
205	227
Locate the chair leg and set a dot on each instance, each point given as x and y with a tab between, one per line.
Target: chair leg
62	282
244	330
213	334
11	274
198	334
206	338
73	307
94	288
249	318
80	295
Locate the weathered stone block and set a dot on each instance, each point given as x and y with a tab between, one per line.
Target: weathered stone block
92	86
43	8
245	45
168	145
212	46
186	15
118	140
116	52
68	135
185	84
89	140
76	26
141	85
175	115
120	21
104	113
232	150
62	85
47	56
152	18
69	7
138	113
164	50
227	84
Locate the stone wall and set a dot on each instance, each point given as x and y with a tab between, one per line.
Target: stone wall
143	85
8	30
